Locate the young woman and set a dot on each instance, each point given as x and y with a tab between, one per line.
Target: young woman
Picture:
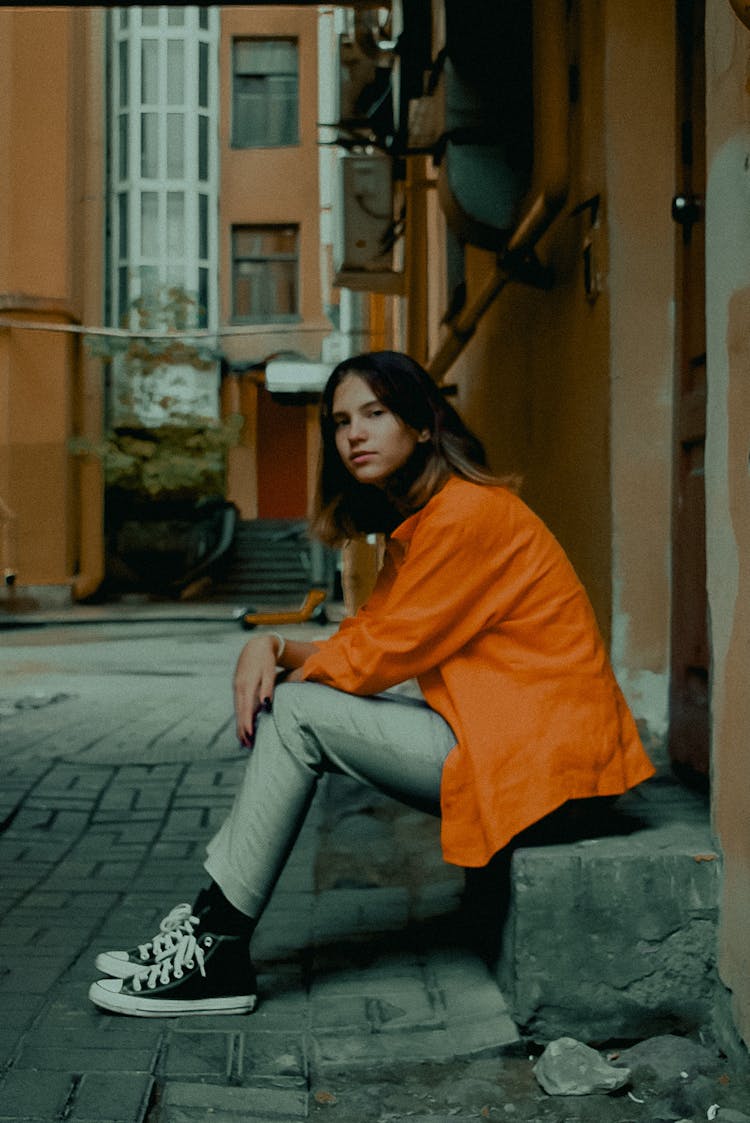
473	683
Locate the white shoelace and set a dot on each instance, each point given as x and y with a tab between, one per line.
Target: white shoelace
176	924
185	954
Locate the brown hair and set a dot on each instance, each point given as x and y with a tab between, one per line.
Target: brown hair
347	509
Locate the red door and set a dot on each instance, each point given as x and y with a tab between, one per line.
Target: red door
281	458
689	685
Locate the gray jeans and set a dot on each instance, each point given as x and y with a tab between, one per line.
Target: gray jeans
398	747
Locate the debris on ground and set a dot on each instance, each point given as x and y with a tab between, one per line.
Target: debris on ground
569	1068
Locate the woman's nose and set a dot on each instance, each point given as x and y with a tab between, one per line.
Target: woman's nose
356	430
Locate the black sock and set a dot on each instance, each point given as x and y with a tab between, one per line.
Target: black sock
219	915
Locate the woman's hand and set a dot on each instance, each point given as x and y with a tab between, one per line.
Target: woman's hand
254	680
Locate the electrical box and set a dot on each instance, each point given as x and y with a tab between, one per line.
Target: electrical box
364	250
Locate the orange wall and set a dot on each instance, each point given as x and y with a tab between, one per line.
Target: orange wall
536	380
47	242
273	185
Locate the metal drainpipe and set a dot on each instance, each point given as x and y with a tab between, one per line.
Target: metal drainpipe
417	184
551	175
90	488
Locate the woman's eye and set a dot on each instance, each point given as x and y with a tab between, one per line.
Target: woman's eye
376	413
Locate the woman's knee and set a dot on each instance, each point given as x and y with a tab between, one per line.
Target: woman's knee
288	708
293	717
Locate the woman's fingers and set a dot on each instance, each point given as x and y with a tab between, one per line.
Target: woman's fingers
253	686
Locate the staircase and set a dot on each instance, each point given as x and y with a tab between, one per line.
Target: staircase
272	561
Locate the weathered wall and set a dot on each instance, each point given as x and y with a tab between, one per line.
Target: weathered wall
51	232
641	122
727	481
574	391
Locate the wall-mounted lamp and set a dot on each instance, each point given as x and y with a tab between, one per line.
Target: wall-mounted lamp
742	11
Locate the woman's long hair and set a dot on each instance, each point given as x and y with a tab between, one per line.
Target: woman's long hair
347	509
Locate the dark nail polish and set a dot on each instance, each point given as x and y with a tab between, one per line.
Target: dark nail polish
267	705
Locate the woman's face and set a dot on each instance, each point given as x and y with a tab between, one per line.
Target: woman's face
372	441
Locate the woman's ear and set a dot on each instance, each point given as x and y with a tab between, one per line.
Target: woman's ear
423	436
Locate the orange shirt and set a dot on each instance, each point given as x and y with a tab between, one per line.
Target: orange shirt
478	601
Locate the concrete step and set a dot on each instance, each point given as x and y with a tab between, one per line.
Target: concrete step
611	933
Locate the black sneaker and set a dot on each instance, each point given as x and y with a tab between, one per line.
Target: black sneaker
181	921
207	974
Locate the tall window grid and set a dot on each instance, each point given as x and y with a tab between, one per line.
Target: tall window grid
265	93
163	167
265	268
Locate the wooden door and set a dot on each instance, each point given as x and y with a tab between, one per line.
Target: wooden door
690	683
281	458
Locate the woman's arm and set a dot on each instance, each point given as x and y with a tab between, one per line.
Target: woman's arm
255	678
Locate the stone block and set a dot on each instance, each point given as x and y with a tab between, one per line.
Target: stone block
112	1097
242	1104
613	937
35	1095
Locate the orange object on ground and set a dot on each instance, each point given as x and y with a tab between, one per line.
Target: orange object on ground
478	601
312	600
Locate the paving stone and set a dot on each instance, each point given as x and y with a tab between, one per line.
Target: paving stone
186	821
125	815
101	838
263	1058
70	1057
198	1055
332	1054
24	979
43	818
284	1003
350	911
35	1094
399	1014
83	1022
341	1015
368	981
113	1097
238	1103
22	1007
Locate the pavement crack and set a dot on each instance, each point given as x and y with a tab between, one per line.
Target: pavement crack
72	1093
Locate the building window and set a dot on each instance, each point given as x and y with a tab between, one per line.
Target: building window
264	274
163	198
164	157
265	93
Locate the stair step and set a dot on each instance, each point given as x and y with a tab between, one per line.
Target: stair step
613	935
271	560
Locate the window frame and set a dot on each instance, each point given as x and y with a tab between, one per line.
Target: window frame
270	98
275	317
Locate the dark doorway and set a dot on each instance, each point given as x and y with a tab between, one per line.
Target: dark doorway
689	678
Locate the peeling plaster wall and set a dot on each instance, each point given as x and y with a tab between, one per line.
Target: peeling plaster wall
639	95
727	478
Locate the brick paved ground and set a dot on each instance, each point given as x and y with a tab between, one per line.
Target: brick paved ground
118	762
